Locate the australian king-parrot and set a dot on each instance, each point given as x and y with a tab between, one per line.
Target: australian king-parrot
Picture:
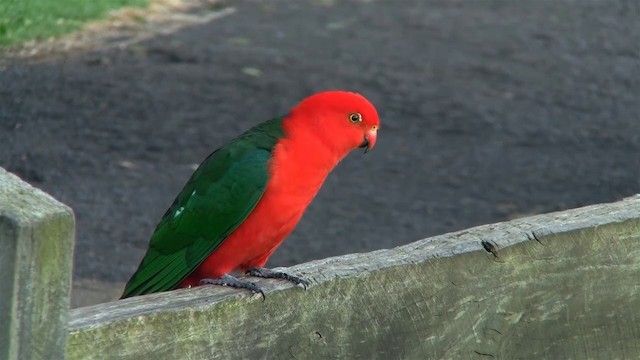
248	195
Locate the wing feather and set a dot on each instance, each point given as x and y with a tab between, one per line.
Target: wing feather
218	197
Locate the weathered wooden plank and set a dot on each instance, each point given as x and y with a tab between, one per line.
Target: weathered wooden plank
562	285
36	237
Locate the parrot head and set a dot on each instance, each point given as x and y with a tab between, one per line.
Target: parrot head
344	120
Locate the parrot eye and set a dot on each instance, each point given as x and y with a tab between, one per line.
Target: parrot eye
355	118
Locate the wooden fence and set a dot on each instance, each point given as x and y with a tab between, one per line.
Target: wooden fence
36	253
557	286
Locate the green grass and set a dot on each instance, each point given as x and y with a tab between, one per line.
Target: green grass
22	20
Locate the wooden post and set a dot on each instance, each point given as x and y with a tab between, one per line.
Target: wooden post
36	242
554	286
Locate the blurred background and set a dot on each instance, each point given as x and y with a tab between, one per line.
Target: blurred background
490	110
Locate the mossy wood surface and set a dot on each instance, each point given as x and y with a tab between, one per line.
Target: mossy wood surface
36	254
558	286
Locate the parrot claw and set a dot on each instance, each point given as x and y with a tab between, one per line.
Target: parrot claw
228	280
270	274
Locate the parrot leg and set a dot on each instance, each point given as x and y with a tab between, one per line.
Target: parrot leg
270	274
228	280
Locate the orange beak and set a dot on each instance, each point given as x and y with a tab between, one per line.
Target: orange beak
370	138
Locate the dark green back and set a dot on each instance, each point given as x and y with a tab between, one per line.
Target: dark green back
218	197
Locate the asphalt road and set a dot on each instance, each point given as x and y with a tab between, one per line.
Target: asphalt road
490	110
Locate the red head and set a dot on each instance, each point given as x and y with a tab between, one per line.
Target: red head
341	120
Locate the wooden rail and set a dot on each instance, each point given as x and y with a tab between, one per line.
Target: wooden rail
557	286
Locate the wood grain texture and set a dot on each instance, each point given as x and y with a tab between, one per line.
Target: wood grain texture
561	285
36	255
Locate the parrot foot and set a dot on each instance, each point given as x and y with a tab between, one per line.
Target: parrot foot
228	280
270	274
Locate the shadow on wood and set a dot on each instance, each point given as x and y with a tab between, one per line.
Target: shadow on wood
561	285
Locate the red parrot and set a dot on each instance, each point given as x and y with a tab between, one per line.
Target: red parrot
247	196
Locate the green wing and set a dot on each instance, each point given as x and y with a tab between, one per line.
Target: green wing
220	195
